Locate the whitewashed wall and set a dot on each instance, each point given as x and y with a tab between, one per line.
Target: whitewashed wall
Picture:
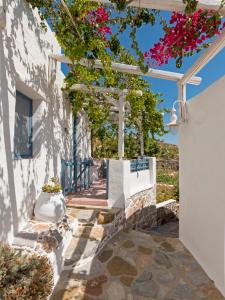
202	181
123	183
24	50
83	136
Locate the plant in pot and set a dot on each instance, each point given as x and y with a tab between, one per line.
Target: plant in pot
50	206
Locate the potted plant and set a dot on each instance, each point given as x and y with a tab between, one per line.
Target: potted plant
50	206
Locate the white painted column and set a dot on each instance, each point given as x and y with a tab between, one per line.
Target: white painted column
142	143
182	97
181	91
141	136
121	125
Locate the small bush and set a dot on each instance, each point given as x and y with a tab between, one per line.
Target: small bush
24	276
166	178
164	193
54	187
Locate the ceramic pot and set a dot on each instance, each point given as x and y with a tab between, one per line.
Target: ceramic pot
50	207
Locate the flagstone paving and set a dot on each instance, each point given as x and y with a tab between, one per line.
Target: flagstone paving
139	266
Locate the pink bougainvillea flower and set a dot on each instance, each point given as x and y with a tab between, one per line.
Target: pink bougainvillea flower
187	33
97	19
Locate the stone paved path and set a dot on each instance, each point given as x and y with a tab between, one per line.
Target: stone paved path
139	266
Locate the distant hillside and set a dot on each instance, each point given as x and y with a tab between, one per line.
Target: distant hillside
168	151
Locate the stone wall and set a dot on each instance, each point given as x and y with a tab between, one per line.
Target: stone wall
167	211
140	212
140	209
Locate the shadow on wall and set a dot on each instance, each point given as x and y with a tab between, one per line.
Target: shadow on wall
50	142
82	137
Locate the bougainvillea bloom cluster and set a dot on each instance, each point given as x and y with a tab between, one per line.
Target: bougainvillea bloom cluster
98	18
185	35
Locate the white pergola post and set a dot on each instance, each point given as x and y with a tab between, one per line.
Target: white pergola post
141	136
182	92
120	105
142	143
121	125
182	96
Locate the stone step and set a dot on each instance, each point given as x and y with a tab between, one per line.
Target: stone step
55	250
86	206
91	217
91	232
80	249
25	239
93	227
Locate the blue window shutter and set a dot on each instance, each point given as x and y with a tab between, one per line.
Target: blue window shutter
23	126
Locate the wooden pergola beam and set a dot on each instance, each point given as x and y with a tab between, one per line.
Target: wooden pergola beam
130	69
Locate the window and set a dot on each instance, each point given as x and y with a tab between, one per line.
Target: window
23	127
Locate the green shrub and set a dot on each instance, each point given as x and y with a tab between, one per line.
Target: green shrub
164	193
54	187
166	178
24	276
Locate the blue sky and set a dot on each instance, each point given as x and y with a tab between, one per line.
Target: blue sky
147	36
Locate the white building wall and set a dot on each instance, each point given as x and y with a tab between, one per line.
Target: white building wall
24	50
202	181
83	136
123	184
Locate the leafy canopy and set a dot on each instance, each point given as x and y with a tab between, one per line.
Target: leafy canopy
91	30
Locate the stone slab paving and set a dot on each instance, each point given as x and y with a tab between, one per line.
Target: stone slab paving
138	266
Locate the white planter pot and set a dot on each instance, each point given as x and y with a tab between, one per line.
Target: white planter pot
50	207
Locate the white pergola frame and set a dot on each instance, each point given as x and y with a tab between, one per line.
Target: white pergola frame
182	79
170	5
130	69
178	5
120	105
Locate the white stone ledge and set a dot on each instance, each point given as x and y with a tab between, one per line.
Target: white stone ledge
166	203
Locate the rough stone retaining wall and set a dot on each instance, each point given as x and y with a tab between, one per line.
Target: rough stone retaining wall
166	211
139	212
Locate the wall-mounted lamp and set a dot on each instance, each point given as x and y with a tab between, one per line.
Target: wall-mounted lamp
183	115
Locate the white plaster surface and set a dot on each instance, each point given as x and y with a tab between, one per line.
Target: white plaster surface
83	136
202	179
123	183
24	50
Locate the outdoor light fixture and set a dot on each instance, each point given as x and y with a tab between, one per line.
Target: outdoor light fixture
183	114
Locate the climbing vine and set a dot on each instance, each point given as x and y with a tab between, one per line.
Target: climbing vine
186	34
91	30
143	115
